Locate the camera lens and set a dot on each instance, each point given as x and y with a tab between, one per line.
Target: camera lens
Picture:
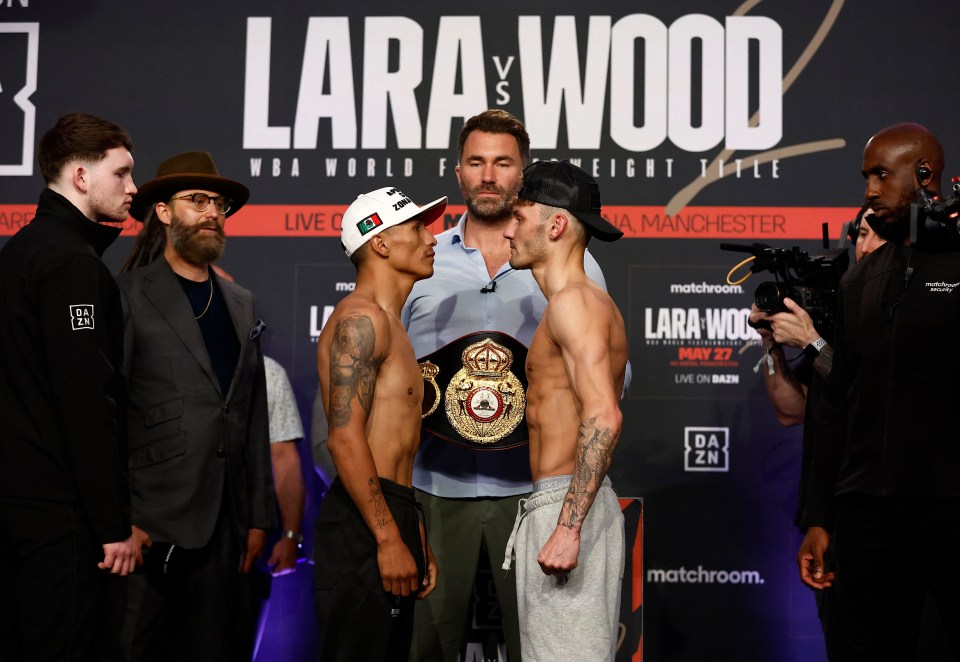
768	297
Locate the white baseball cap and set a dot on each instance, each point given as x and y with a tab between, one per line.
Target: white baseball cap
372	213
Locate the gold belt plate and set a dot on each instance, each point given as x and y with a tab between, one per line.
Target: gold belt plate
484	401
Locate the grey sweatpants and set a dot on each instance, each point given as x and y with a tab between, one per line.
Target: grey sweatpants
578	620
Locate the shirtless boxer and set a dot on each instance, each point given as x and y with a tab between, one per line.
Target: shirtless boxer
569	536
370	560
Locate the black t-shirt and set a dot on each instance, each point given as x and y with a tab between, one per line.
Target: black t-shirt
219	336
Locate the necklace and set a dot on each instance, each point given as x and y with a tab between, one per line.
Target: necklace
209	299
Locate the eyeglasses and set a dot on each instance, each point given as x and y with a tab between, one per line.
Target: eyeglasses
201	201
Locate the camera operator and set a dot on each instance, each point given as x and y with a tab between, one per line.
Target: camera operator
793	328
789	390
890	491
786	388
864	237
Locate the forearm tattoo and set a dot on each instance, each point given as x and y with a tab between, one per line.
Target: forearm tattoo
353	368
594	452
380	510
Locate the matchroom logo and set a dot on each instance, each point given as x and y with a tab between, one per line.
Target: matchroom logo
706	449
18	82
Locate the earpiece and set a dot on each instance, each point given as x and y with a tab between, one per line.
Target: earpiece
923	174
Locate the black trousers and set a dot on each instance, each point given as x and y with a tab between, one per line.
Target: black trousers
188	604
832	610
892	553
51	591
358	619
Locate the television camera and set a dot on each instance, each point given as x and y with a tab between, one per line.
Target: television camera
810	280
935	220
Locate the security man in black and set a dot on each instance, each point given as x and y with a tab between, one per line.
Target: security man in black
893	411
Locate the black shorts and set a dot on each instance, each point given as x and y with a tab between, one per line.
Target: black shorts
358	619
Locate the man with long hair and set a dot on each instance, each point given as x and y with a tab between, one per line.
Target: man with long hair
199	464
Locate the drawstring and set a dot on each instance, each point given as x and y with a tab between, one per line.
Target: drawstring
508	554
426	535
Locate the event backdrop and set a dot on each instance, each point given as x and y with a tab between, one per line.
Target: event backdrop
702	120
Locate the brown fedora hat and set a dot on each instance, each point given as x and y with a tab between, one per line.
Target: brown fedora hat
187	171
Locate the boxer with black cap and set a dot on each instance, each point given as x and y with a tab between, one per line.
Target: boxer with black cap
569	536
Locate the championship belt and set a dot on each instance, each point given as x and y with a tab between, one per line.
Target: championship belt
474	391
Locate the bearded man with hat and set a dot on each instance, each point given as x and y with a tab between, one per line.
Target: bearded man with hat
375	562
199	459
568	536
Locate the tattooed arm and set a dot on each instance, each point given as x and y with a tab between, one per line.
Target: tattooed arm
356	350
580	326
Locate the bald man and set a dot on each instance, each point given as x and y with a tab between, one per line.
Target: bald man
893	500
898	161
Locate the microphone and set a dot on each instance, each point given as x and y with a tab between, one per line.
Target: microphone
489	287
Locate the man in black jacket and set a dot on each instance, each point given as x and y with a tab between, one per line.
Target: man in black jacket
894	494
64	505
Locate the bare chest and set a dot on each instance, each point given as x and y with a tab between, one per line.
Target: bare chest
398	375
544	362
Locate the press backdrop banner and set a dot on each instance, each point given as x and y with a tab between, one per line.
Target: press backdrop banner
702	120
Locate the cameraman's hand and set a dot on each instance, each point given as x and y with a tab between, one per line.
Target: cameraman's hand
795	328
766	335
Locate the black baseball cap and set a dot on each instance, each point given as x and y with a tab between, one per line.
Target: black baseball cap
564	185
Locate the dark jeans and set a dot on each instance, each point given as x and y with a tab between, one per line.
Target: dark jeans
892	552
51	591
196	610
358	619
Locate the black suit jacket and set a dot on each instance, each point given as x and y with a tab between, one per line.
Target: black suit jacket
189	443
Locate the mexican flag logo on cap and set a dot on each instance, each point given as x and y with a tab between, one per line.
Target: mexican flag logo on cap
369	223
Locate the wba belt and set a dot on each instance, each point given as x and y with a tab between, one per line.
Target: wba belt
474	391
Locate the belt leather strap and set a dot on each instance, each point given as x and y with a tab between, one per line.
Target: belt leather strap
475	391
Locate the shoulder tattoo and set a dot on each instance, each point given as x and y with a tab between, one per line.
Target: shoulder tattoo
353	368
